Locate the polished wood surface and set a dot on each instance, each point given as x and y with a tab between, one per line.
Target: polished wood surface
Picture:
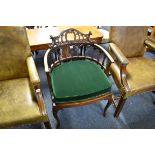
39	39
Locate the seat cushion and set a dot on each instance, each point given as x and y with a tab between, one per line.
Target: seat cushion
18	104
78	80
140	75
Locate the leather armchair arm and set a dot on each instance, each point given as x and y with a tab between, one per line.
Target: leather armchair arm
150	44
119	55
33	74
35	80
124	62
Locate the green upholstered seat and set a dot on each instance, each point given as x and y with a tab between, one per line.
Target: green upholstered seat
77	80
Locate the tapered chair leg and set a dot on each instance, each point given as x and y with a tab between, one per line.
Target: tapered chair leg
107	106
47	125
119	106
55	113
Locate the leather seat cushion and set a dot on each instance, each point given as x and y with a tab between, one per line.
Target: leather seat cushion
18	104
77	80
140	75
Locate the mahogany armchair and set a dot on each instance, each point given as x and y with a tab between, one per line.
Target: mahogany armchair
21	100
132	72
74	78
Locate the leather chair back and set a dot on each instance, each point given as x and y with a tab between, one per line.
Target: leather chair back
14	49
130	39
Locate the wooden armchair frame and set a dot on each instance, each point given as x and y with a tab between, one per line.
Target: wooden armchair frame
64	42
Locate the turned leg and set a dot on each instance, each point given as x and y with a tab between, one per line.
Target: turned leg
107	106
48	125
55	113
119	106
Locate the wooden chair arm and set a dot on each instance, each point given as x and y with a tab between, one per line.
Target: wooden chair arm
105	52
41	103
45	61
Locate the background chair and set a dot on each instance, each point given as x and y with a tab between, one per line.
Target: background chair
132	72
152	35
21	100
74	78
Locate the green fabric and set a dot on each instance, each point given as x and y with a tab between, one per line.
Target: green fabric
77	80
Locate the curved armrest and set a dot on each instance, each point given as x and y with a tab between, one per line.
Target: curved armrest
150	44
34	78
119	55
105	52
45	61
124	62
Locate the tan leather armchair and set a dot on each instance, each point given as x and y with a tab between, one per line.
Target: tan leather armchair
132	72
21	100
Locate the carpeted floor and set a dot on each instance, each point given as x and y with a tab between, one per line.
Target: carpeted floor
138	112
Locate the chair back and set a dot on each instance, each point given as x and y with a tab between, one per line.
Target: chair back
14	49
130	39
71	45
